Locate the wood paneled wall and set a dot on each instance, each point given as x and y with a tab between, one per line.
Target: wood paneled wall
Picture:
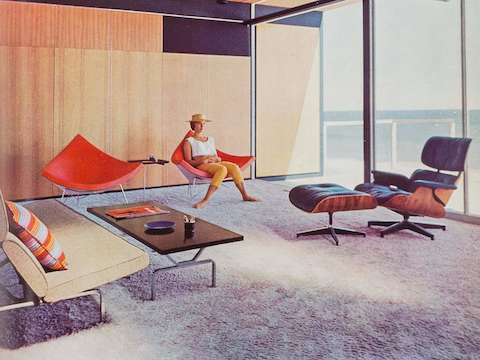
137	118
214	89
82	93
26	119
102	73
288	100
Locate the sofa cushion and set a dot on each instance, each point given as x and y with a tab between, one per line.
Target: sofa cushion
95	255
36	236
382	193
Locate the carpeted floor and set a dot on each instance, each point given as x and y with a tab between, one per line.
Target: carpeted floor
277	297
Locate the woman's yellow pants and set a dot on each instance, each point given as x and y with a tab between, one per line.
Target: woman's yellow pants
221	170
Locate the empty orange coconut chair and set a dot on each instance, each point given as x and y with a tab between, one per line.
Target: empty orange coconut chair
82	168
197	176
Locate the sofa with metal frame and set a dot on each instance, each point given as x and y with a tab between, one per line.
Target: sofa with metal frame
95	257
426	192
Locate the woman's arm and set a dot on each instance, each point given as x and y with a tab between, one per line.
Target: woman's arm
187	154
215	157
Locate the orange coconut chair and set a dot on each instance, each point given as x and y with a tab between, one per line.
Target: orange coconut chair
82	168
197	176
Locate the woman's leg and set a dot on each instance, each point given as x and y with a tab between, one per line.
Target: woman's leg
218	172
235	172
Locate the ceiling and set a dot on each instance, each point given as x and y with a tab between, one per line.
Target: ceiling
282	3
294	3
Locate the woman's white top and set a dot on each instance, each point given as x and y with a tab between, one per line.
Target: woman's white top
202	148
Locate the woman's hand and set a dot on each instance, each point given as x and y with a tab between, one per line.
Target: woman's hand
211	159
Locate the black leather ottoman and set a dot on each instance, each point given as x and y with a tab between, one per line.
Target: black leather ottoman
330	198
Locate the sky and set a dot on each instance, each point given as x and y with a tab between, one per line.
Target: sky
417	57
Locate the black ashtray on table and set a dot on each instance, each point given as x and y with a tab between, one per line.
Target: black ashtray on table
159	227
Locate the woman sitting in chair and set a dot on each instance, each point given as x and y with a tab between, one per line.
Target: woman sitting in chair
200	152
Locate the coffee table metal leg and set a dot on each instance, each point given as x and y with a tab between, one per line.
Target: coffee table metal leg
183	264
214	273
152	286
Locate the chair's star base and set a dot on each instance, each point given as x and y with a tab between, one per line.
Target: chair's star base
332	231
406	224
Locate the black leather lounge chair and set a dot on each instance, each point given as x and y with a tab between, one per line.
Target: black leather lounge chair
426	192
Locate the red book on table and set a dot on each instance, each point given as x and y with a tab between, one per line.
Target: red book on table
136	211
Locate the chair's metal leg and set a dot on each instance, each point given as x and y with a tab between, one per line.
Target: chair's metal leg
332	231
349	232
334	235
63	194
382	223
322	231
420	230
406	225
393	228
431	226
124	195
193	188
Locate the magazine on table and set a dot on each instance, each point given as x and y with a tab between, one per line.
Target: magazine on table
136	211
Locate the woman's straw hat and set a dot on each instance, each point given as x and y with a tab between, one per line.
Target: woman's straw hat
199	118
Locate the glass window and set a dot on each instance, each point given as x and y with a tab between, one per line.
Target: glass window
417	81
342	108
472	27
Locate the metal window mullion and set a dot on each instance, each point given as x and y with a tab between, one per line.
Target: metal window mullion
322	123
465	122
368	89
253	93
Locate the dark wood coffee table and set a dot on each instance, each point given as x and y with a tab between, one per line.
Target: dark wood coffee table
205	235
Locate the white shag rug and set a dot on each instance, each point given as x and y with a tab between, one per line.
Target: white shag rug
277	297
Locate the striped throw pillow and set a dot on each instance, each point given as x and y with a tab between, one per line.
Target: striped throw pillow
36	237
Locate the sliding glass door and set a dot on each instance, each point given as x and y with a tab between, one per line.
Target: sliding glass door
310	90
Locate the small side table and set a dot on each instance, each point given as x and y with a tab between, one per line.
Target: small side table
150	161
